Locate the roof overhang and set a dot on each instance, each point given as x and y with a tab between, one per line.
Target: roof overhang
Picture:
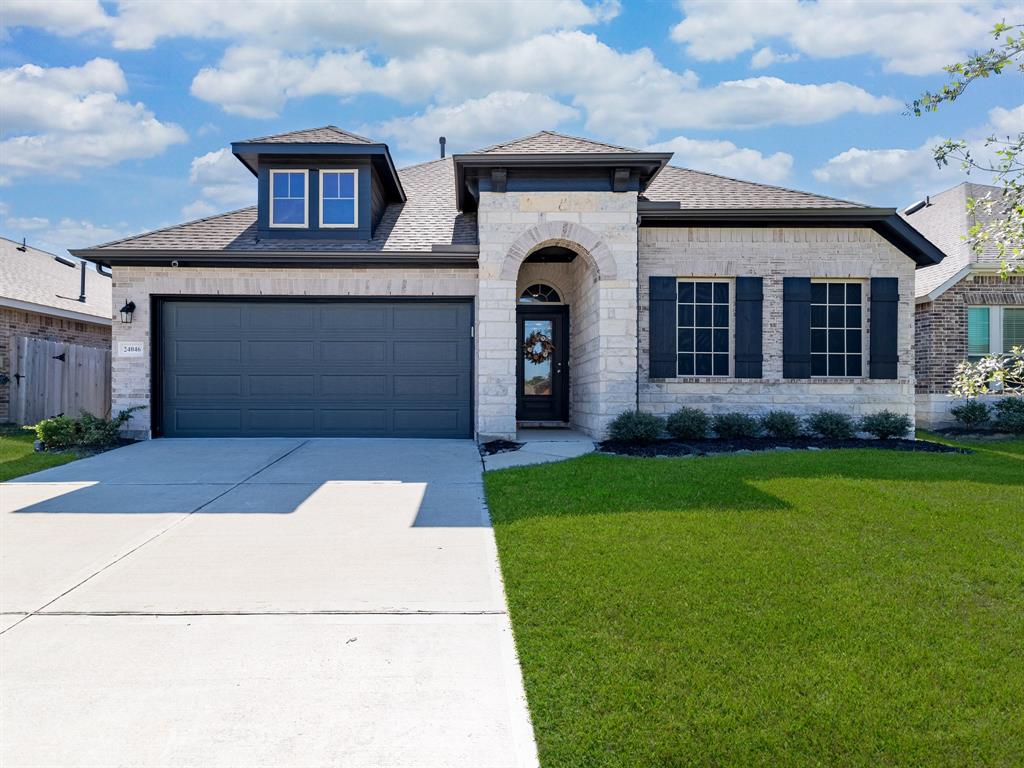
249	153
885	221
956	277
464	256
470	168
44	309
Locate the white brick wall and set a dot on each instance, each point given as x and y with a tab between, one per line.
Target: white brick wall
131	375
774	253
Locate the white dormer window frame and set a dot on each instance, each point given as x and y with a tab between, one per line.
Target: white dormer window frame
354	173
305	198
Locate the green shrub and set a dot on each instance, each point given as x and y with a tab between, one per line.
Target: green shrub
782	425
736	426
831	425
636	427
971	413
87	431
1010	414
688	424
886	424
58	432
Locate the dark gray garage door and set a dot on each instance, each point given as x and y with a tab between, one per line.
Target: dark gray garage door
316	368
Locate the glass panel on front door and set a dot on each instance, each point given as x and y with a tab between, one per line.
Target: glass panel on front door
538	351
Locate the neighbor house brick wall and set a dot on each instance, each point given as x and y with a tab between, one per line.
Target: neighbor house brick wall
19	322
131	379
941	338
601	227
775	253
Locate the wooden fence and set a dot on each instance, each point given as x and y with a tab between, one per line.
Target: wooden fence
51	377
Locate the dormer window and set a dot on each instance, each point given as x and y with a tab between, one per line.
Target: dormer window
339	199
289	190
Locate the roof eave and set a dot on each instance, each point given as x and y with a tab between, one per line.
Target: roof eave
885	221
439	255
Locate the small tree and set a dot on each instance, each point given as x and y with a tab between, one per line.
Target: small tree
991	374
1001	223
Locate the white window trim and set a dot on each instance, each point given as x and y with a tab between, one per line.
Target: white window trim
305	198
355	198
995	325
865	303
731	281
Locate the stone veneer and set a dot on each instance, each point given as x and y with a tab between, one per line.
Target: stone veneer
941	338
20	322
131	375
774	253
601	228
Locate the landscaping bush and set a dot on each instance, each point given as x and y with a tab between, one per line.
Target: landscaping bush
782	425
831	425
688	424
886	424
736	426
87	431
1010	415
971	414
636	427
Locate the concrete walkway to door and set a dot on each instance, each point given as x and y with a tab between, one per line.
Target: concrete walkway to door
269	602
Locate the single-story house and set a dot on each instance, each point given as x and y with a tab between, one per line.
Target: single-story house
964	309
548	280
48	297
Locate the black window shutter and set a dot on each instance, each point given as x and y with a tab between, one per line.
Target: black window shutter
663	327
748	354
796	327
885	305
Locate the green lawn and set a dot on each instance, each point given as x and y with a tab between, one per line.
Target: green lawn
17	457
833	608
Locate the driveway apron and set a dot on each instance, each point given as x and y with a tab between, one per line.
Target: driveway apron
257	602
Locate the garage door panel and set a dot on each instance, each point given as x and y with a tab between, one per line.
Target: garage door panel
308	368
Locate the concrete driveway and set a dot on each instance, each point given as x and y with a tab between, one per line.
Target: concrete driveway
266	602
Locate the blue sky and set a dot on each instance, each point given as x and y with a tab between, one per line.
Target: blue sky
114	117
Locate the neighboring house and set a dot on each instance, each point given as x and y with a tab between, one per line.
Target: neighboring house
548	280
964	308
40	297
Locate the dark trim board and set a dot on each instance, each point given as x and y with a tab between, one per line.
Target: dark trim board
157	302
456	256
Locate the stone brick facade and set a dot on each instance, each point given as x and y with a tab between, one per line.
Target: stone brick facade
774	253
941	338
19	322
131	376
601	228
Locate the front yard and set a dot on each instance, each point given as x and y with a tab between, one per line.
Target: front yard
823	608
17	456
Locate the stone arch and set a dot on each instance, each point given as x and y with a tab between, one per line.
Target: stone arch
566	234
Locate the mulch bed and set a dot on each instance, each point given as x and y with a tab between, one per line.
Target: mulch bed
499	446
717	446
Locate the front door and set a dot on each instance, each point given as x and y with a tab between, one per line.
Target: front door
542	370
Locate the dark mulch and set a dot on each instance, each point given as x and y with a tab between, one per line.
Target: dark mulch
499	446
980	433
715	446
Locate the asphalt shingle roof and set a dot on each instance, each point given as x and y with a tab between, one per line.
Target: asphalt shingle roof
549	142
945	221
328	134
701	190
428	217
36	277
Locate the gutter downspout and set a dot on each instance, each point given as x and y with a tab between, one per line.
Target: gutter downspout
638	312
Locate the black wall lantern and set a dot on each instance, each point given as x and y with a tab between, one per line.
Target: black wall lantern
127	311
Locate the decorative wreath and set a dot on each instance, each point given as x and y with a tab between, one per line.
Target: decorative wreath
537	348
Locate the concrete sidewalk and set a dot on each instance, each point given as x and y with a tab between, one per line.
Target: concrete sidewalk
257	602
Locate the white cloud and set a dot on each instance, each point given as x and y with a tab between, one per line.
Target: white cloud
725	158
474	123
910	37
224	183
765	57
393	25
914	169
64	119
59	18
629	96
61	235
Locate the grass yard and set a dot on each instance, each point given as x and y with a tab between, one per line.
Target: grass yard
832	608
17	457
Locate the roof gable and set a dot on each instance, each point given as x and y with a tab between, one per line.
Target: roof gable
550	142
327	134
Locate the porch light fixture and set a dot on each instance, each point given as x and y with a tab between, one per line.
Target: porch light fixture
127	311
